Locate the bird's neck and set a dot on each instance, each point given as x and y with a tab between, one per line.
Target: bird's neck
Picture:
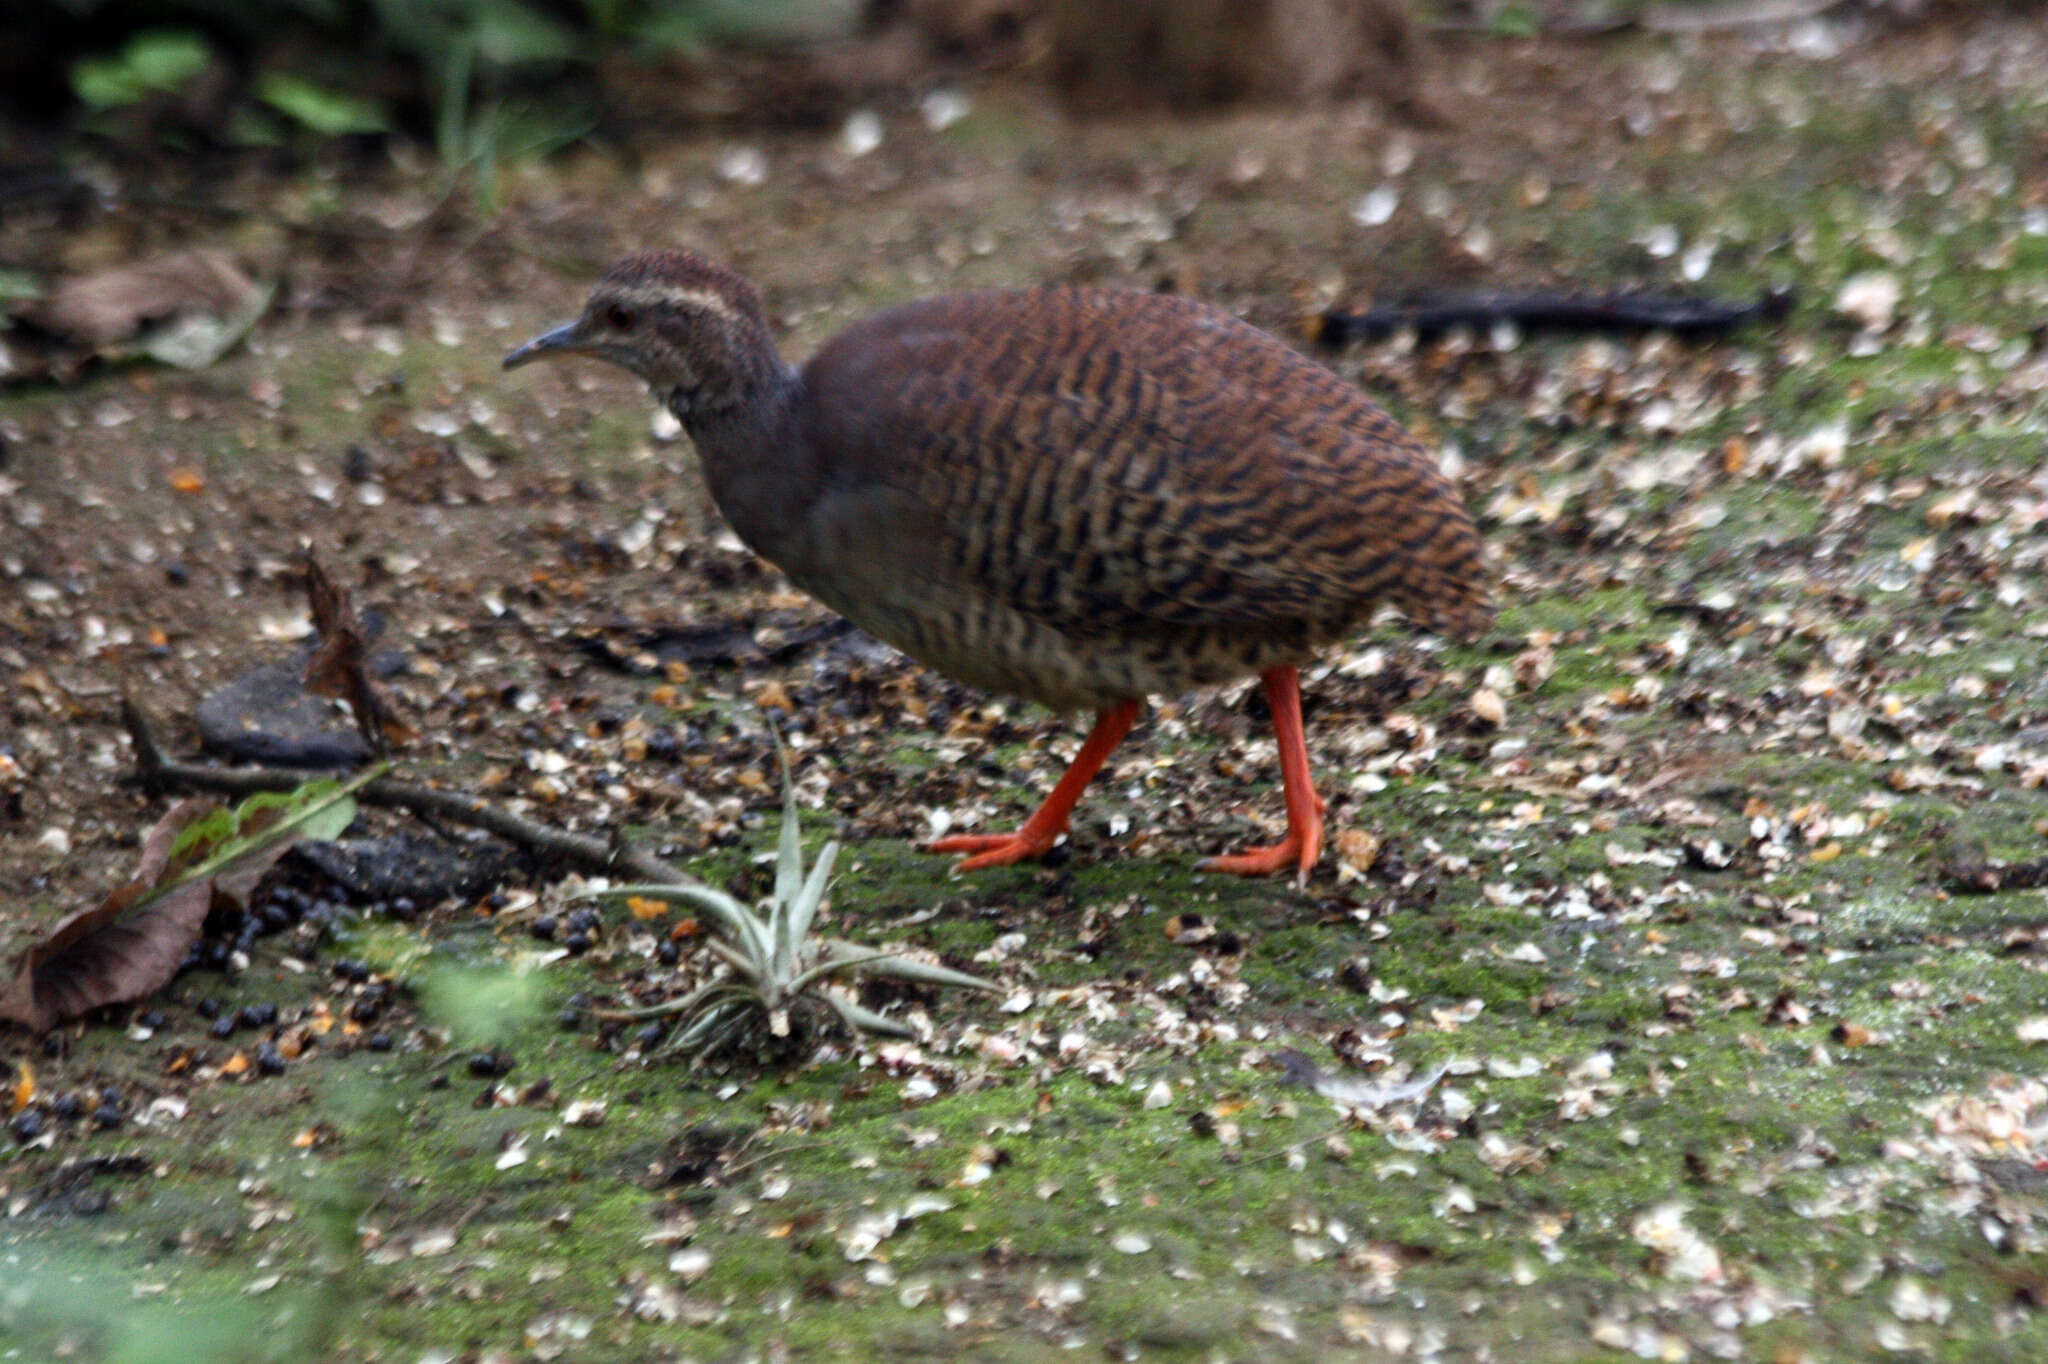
758	460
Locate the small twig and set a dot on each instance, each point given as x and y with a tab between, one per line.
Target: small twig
597	856
729	1171
1301	1145
468	1216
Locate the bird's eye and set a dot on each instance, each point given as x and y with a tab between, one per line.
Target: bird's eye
619	317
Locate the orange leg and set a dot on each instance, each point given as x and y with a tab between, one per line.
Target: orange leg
1037	836
1304	841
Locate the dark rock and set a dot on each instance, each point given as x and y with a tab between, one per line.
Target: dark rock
410	867
267	716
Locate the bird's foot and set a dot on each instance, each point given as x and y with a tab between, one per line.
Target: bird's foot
994	850
1261	861
1298	850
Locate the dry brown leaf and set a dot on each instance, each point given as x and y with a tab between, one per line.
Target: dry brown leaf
131	943
114	304
340	667
106	954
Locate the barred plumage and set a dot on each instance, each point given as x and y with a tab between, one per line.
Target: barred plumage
1079	496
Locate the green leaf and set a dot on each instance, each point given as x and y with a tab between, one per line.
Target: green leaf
154	61
331	113
164	59
1514	21
511	34
317	810
882	963
803	911
859	1020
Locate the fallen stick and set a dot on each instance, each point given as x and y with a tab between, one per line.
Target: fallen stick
1689	319
595	856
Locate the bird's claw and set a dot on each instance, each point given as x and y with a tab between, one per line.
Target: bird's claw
992	850
1299	850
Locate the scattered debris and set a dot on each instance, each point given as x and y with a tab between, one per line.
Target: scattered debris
1349	1092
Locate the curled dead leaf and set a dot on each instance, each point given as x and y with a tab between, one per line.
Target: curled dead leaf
340	667
123	948
131	943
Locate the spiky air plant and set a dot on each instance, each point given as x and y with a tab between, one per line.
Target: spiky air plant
771	969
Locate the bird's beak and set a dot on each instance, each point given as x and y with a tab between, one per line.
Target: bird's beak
567	337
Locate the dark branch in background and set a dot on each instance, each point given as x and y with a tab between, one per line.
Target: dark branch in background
1689	319
594	856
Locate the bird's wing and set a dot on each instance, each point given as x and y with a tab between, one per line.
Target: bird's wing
1127	462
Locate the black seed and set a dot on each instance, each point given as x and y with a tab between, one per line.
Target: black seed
577	943
106	1117
154	1019
27	1125
67	1106
380	1041
543	928
269	1060
668	952
649	1035
223	1027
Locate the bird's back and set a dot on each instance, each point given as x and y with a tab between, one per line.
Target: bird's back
1140	475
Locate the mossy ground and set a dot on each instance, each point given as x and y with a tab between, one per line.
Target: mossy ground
1679	925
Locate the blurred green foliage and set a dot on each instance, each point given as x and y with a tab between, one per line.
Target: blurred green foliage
155	61
480	79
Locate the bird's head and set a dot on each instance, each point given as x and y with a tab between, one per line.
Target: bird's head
693	330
